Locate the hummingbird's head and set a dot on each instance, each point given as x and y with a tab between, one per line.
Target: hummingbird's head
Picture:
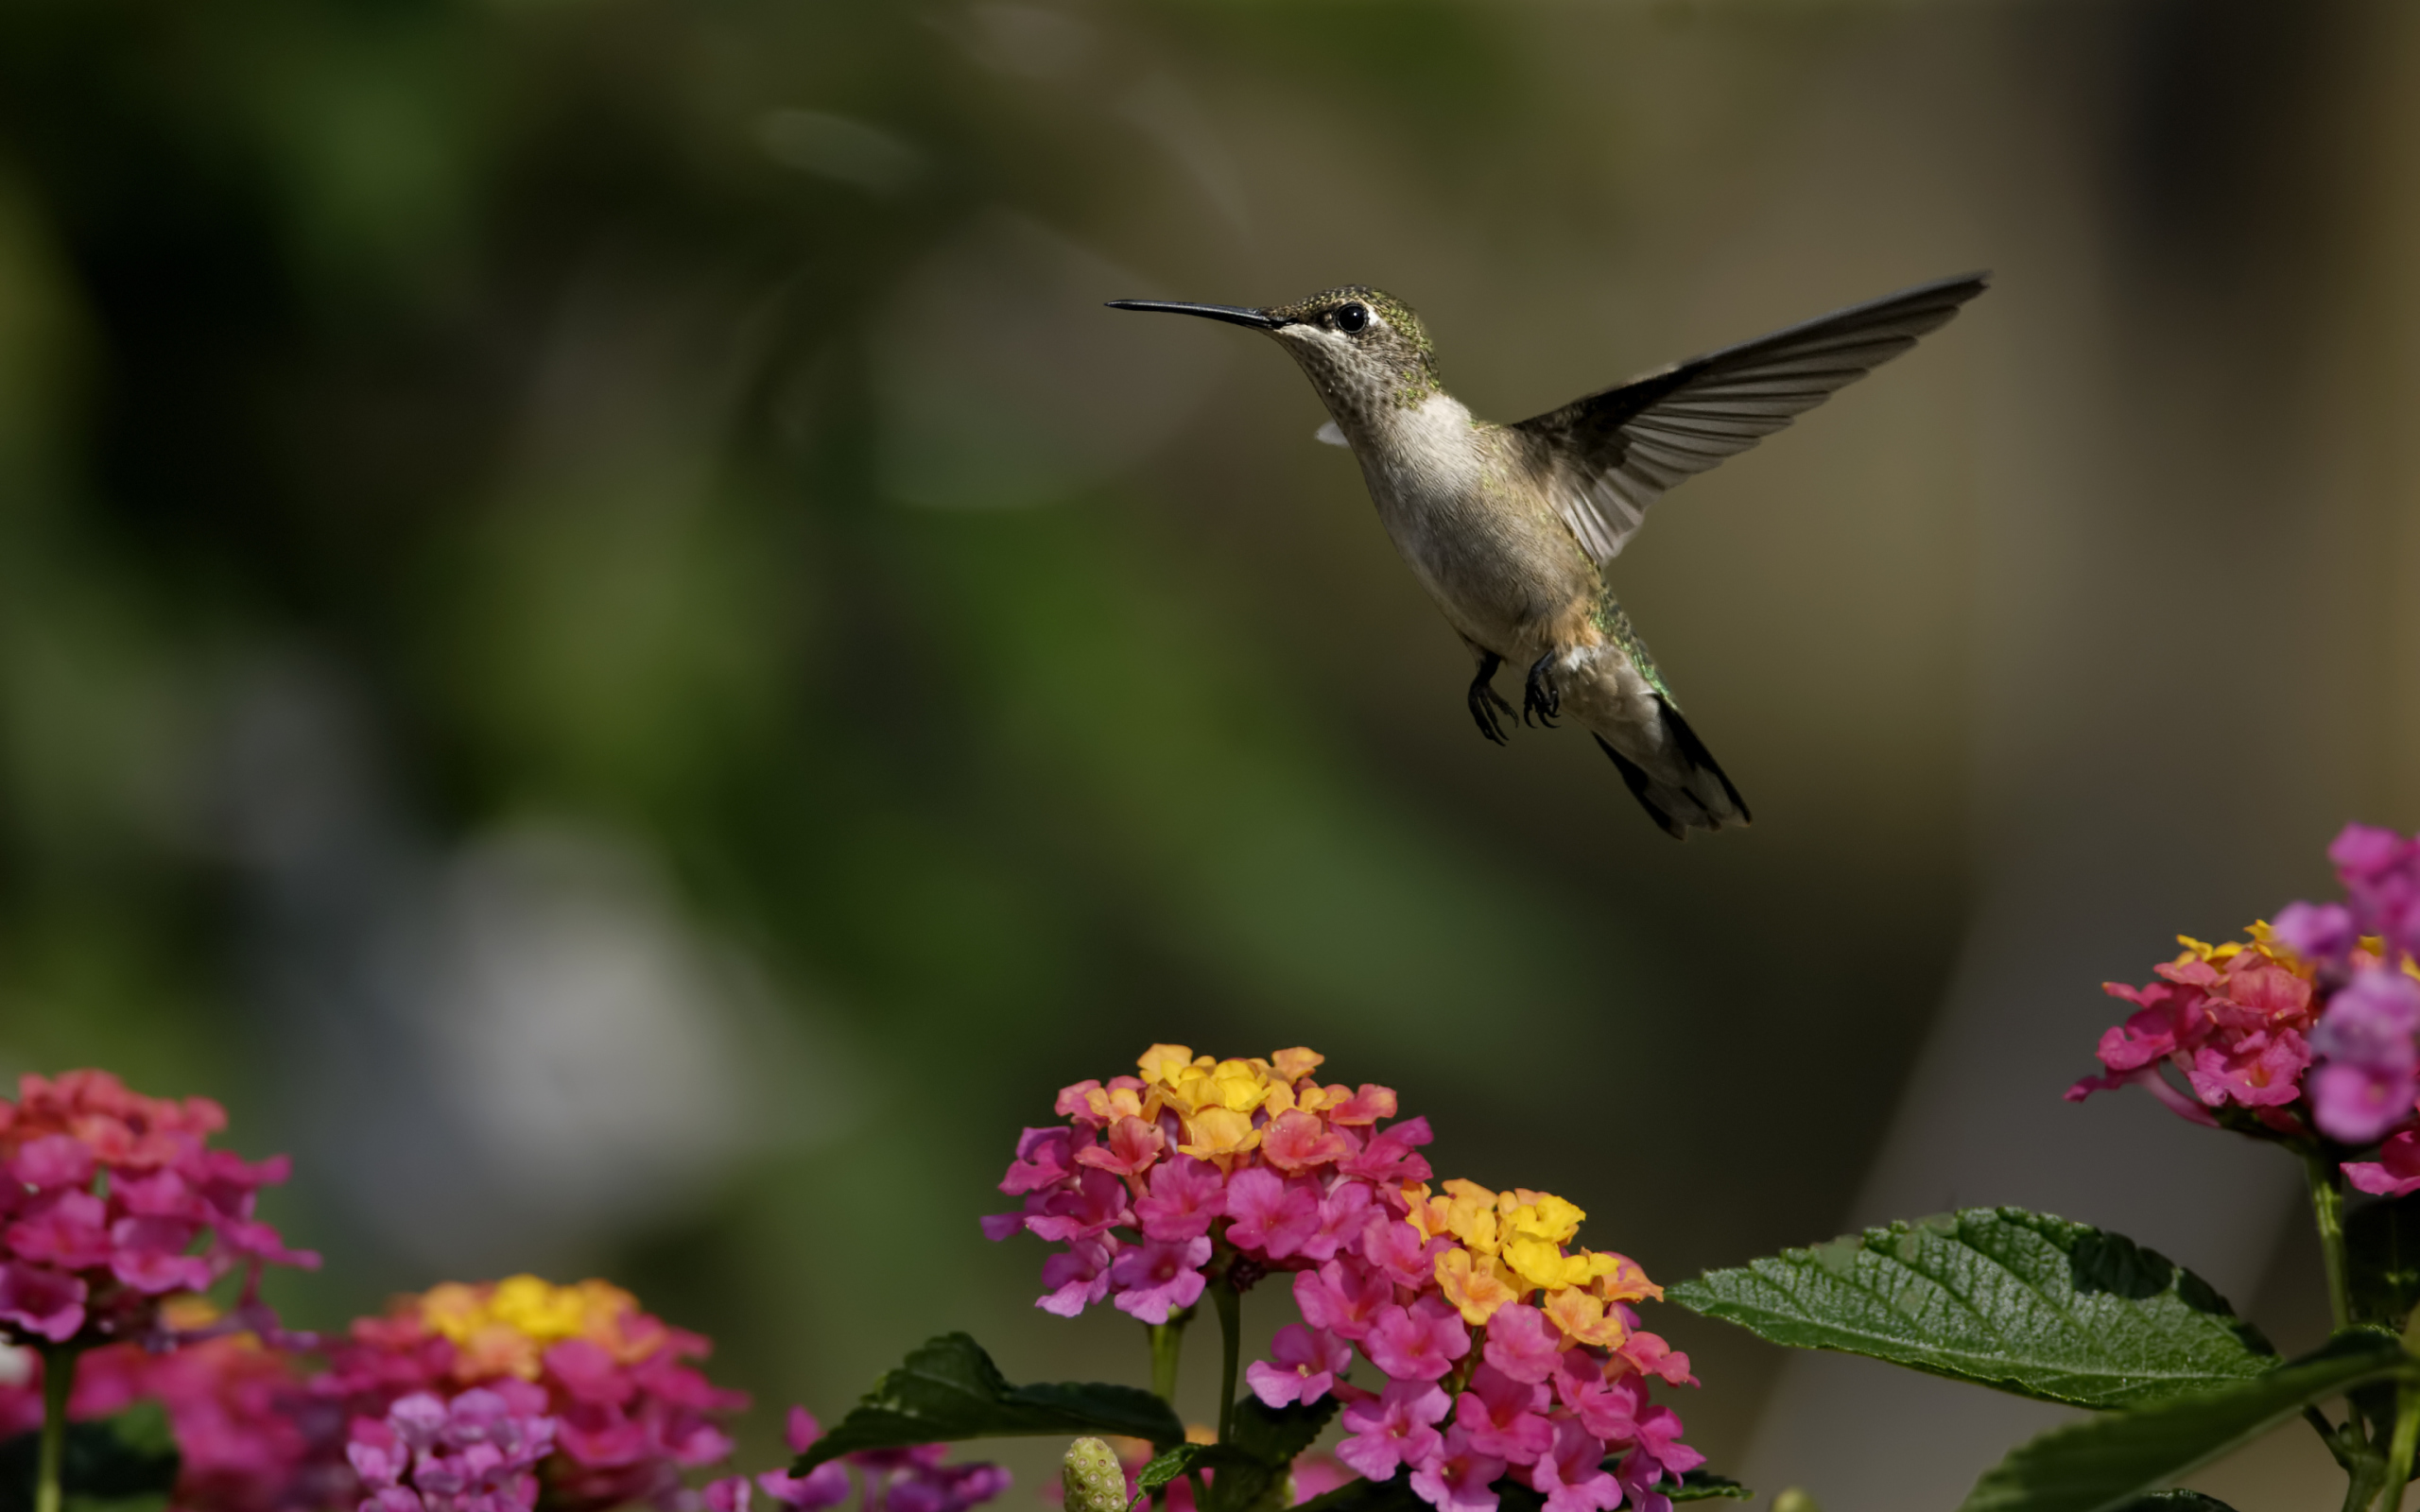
1363	349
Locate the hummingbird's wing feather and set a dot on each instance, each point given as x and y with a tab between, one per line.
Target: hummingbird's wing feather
1611	455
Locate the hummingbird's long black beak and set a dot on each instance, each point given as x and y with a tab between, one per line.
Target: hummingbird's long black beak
1233	314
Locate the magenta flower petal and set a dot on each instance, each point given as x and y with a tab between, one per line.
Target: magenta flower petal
41	1302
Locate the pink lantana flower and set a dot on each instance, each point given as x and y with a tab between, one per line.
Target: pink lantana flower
1417	1342
1396	1430
1155	1279
1344	1299
1457	1478
114	1202
2305	1031
1303	1366
2394	1174
1505	1418
1571	1476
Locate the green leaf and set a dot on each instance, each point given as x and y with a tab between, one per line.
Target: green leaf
1176	1464
949	1389
2176	1501
128	1461
1278	1434
2016	1300
2108	1463
1265	1439
1698	1485
2382	1260
1391	1495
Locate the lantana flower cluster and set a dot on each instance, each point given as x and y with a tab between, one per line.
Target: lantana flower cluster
114	1201
630	1415
2303	1031
1503	1350
115	1213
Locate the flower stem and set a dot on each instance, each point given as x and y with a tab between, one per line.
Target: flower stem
2327	1211
1166	1340
1230	1303
2406	1438
58	1384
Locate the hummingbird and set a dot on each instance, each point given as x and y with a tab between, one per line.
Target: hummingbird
1510	528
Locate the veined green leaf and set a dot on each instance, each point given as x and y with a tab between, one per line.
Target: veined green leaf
2020	1301
1265	1439
1177	1463
1391	1495
949	1389
2109	1463
1698	1485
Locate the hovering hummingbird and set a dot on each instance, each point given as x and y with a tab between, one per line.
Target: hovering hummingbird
1509	528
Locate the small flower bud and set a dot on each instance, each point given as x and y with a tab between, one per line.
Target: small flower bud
1093	1479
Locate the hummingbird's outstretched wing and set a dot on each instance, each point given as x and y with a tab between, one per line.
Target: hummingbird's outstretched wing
1609	456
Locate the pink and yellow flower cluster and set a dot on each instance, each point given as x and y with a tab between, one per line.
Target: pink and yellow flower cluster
489	1397
629	1413
1504	1348
2306	1030
114	1201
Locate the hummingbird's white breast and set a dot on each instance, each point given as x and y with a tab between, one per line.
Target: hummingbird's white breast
1467	520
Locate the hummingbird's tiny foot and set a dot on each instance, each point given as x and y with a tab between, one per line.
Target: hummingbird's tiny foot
1538	694
1486	701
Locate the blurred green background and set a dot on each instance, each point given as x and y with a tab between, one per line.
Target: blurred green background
599	633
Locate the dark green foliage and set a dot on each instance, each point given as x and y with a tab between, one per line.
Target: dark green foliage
1184	1460
2382	1260
1396	1495
1393	1495
124	1463
2020	1301
1265	1440
2108	1463
950	1390
1698	1485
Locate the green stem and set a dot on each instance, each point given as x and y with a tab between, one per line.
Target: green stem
2406	1438
2327	1211
58	1384
1230	1303
1166	1340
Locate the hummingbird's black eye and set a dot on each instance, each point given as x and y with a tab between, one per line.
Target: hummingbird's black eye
1351	319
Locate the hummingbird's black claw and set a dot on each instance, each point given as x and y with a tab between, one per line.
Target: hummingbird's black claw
1486	701
1538	694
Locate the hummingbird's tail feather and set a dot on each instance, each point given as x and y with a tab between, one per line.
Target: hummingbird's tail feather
1662	763
1702	762
1688	790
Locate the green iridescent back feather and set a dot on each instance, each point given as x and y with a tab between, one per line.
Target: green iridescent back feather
1608	617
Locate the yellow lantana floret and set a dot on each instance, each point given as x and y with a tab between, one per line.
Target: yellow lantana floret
1545	1265
1584	1319
1162	1064
1476	1286
506	1329
1218	1134
1547	1217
